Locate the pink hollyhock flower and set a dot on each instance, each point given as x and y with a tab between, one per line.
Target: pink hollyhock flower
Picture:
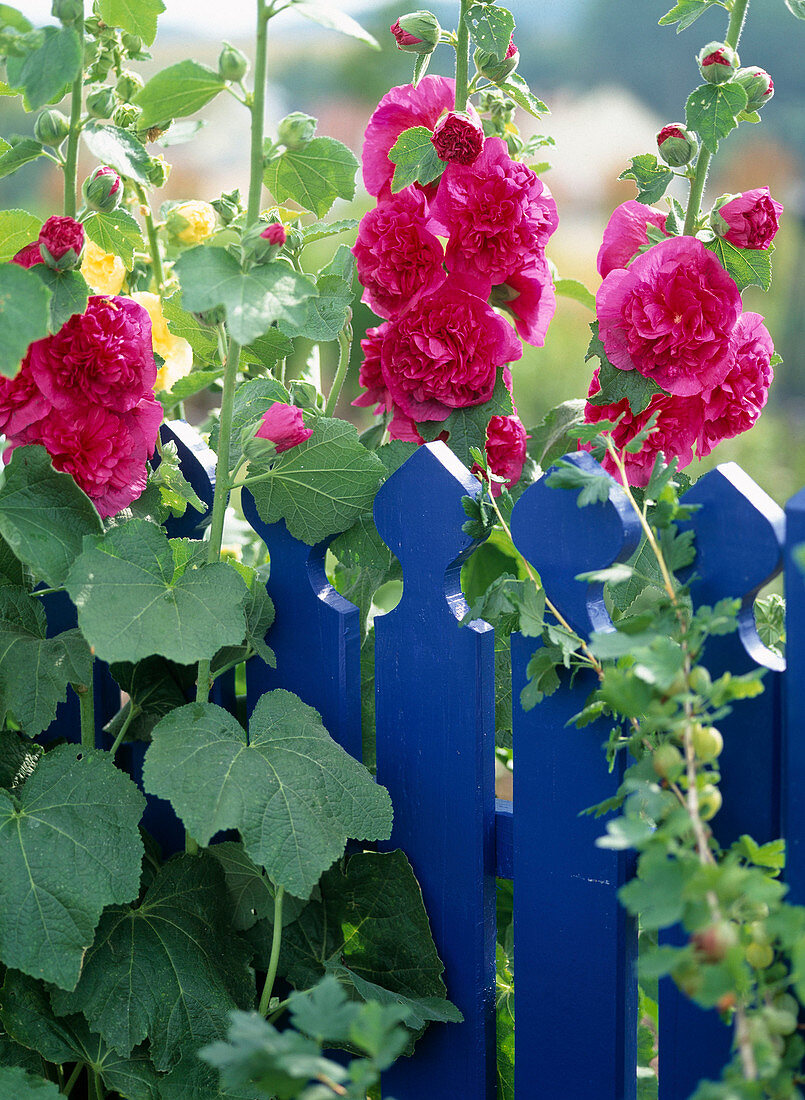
733	406
444	353
670	316
677	428
505	449
398	258
403	37
21	401
284	426
496	212
371	375
398	110
459	137
28	256
626	234
275	233
59	237
103	357
104	452
749	220
530	297
511	49
403	427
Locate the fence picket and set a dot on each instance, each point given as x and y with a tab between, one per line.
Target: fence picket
793	765
435	754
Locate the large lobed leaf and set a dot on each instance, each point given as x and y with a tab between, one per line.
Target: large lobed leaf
44	72
177	91
294	794
322	171
117	148
135	16
54	885
24	314
17	228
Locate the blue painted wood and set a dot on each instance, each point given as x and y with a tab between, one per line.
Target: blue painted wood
435	754
504	838
315	635
739	533
793	750
574	945
197	461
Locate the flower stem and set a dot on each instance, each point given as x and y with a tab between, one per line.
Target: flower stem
462	58
258	114
344	347
71	159
133	712
153	243
273	962
68	1088
86	702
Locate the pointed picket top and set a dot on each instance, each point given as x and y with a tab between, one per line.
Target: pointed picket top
740	532
197	461
562	540
419	515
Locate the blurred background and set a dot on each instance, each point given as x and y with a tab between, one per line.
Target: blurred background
611	77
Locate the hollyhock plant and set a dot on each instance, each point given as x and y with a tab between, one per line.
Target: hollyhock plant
371	373
444	353
459	137
22	403
626	234
748	220
670	316
734	405
506	440
398	110
284	426
398	258
529	296
61	240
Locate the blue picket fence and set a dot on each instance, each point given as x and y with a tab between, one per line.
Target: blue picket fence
576	994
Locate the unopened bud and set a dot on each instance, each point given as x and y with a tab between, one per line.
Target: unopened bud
496	69
228	207
757	84
676	144
68	11
718	62
719	225
132	43
61	240
51	128
157	171
103	189
261	243
296	130
232	63
126	116
102	102
417	32
254	447
128	85
458	137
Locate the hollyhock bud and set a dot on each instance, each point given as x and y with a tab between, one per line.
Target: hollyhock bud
718	62
676	144
68	11
748	220
262	242
191	222
126	115
51	128
458	137
296	130
496	69
60	242
757	84
284	426
131	43
417	32
228	206
233	64
128	85
101	103
157	171
102	189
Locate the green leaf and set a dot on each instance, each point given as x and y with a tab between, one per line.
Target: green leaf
268	349
747	266
504	1004
17	228
116	232
13	157
68	293
370	929
572	288
712	111
490	27
467	426
319	231
18	758
155	687
651	177
684	13
44	73
53	886
195	382
252	399
175	490
44	516
554	436
253	300
10	17
335	20
415	158
517	88
135	16
177	91
321	486
295	795
796	7
617	384
315	176
117	148
169	969
327	313
24	315
251	892
201	338
17	1084
161	608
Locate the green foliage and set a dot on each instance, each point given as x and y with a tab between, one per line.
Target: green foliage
712	110
490	28
747	266
17	228
554	437
135	16
617	384
15	156
415	158
295	795
328	311
517	89
44	71
315	175
68	293
17	1084
118	148
652	177
177	91
115	232
686	12
335	20
572	288
24	314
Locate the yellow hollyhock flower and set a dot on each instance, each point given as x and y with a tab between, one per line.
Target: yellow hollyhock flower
175	350
103	271
191	222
